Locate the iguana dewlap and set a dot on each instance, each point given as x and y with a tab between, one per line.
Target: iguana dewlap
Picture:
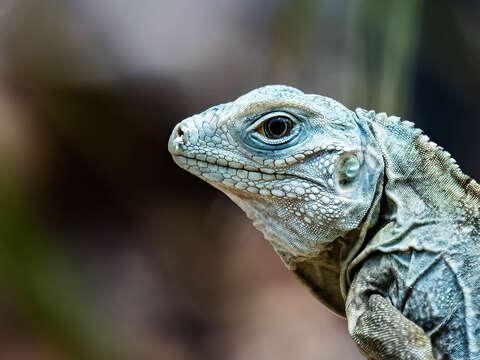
379	222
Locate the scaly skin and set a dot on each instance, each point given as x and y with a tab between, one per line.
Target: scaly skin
378	222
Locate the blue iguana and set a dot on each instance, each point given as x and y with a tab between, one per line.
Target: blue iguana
378	221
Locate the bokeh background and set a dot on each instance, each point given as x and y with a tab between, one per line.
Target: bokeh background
107	249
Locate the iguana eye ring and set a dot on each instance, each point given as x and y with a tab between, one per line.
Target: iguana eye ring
275	128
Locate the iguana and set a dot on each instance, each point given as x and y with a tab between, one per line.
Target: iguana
378	221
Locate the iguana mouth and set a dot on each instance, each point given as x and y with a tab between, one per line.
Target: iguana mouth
254	181
213	169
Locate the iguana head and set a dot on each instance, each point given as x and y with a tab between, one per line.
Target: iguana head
303	167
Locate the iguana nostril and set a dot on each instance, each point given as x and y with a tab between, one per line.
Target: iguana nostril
177	140
179	132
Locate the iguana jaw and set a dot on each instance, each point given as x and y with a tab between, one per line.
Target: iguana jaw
266	198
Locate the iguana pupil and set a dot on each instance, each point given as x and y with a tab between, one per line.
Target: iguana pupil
277	127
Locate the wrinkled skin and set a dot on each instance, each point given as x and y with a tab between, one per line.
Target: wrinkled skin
376	220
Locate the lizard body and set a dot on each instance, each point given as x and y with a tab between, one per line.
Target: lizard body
379	222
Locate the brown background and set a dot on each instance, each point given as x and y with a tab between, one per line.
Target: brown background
107	249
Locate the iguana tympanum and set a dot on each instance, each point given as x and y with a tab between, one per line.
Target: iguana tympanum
378	221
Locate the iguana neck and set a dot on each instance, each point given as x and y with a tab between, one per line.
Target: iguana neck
326	274
420	177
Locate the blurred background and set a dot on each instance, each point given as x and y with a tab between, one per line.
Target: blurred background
110	251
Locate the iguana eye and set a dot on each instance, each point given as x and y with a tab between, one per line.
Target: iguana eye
276	127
